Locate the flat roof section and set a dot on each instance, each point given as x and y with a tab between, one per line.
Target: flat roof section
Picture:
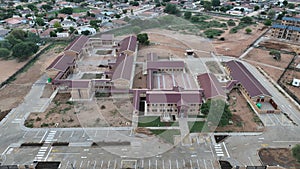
165	81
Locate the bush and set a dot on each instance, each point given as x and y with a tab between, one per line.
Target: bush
211	33
4	53
296	152
230	22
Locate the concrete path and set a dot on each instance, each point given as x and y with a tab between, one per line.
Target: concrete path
184	131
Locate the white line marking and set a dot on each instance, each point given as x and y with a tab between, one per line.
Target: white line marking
67	164
43	136
177	164
170	164
81	164
95	163
48	154
204	164
163	163
72	134
198	163
108	164
101	164
226	150
191	164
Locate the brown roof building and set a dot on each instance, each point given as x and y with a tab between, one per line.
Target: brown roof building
211	86
240	73
128	45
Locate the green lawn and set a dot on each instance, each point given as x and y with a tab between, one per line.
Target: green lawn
154	121
167	135
196	126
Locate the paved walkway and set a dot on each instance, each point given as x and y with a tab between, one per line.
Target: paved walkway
184	131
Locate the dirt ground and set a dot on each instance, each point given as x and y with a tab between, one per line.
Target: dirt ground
260	56
139	80
60	113
168	43
288	78
22	84
48	90
272	72
213	67
235	44
278	156
244	119
63	113
278	45
8	68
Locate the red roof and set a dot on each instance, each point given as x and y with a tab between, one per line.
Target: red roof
239	72
152	57
165	64
174	97
80	84
123	67
128	44
210	84
77	44
61	63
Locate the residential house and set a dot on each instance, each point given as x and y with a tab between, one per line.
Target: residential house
67	24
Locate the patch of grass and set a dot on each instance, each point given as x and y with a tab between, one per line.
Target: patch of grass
196	126
167	135
154	121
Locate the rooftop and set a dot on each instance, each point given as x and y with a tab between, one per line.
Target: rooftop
61	63
123	67
77	44
239	72
128	44
210	84
165	64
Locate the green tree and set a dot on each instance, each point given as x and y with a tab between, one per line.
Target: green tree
247	20
248	30
71	29
276	54
285	2
124	11
95	23
53	34
46	7
187	15
86	32
296	152
32	7
118	16
218	112
22	51
19	7
215	3
143	39
291	6
268	22
56	25
40	21
256	8
4	53
68	11
230	22
171	9
271	14
207	5
194	18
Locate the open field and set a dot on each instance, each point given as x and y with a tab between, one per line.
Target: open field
278	156
259	56
235	44
63	113
22	84
272	72
244	119
288	78
8	68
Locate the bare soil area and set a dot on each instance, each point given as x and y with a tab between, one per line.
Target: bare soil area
8	68
139	80
12	94
244	119
259	56
288	78
235	44
277	45
60	113
48	90
213	67
278	156
103	112
272	72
